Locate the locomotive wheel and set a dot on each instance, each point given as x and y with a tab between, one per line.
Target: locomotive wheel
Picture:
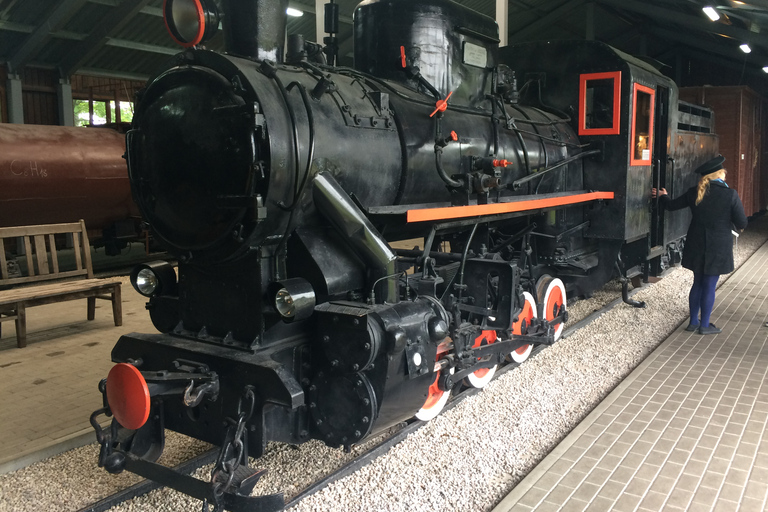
436	397
551	293
521	327
483	376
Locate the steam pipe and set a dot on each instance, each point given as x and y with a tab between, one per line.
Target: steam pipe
354	227
518	183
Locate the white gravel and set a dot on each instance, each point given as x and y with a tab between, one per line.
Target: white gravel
466	459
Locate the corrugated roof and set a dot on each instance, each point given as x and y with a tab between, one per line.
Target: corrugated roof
50	32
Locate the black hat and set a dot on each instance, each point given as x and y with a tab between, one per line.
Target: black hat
710	166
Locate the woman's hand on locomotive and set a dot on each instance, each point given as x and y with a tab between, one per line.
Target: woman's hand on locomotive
660	192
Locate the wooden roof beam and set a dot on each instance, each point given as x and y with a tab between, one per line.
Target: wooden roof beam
699	23
60	15
553	16
114	21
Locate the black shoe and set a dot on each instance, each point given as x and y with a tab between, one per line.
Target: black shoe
709	330
692	327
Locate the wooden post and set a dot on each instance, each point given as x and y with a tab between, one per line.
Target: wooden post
117	107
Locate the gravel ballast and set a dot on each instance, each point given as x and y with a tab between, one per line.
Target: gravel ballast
466	459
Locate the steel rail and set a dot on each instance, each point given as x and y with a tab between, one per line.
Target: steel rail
408	428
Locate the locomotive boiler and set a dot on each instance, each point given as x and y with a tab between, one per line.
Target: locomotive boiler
286	189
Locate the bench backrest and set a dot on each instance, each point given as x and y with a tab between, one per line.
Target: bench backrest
41	254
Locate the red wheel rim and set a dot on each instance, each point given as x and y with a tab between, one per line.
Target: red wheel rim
435	394
521	326
554	301
526	315
436	397
489	337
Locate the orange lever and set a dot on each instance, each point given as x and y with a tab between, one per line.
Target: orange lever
455	137
501	163
402	56
441	105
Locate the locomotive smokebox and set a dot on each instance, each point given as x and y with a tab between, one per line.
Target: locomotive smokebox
255	28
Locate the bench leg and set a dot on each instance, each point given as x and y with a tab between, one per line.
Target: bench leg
91	308
21	326
117	306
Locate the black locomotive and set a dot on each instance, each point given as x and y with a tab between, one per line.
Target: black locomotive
285	191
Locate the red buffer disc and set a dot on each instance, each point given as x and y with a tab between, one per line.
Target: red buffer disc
128	395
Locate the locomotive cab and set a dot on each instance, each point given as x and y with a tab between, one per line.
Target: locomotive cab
625	105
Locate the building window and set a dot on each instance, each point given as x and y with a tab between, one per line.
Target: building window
97	113
642	125
600	103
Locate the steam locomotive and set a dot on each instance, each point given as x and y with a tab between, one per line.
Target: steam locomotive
286	189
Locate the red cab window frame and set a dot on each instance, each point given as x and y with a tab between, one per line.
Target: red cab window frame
649	144
583	79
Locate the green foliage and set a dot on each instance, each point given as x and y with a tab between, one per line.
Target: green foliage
82	112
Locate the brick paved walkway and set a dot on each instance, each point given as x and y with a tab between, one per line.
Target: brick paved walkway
49	389
685	431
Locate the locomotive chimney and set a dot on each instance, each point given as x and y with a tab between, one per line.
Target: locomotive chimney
255	28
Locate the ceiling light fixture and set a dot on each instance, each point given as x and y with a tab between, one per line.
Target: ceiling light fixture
745	48
294	12
765	69
711	13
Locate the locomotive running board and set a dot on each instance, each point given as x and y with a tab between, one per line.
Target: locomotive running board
512	205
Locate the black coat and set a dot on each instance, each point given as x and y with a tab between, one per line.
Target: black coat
709	243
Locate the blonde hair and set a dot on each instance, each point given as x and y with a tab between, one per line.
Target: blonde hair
703	187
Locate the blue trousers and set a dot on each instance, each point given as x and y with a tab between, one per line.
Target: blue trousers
702	297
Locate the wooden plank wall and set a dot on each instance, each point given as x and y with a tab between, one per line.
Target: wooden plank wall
39	96
740	122
3	96
763	185
40	99
104	89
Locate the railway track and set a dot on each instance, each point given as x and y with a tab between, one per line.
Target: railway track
406	429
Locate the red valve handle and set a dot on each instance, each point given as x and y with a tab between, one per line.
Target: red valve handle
441	105
402	56
501	163
455	136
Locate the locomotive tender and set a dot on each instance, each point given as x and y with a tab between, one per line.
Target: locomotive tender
282	189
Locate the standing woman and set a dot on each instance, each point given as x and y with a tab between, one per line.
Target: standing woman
709	244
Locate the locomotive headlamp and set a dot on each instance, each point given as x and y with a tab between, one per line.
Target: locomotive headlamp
146	282
190	22
154	278
294	299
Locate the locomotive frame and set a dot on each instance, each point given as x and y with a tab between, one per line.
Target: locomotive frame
282	189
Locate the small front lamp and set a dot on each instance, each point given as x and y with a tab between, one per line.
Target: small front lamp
154	278
294	299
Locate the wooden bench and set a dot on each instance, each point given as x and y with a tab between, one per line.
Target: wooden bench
43	267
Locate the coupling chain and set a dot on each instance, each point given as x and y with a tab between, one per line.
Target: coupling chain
231	454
